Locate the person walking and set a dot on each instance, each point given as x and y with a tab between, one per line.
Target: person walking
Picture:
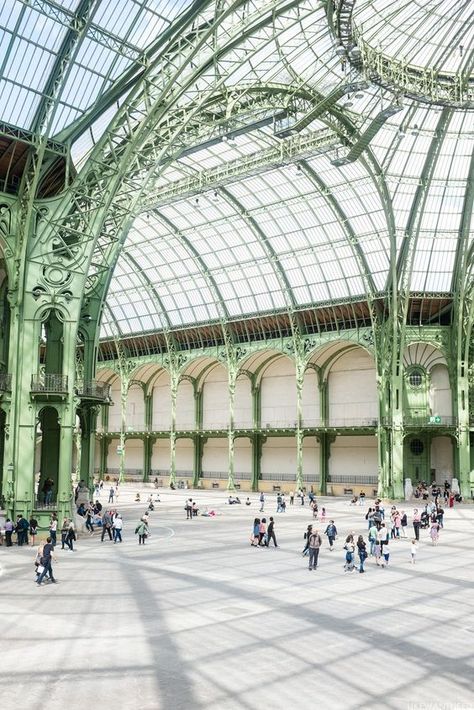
306	537
255	532
111	494
90	519
271	533
118	526
413	551
314	545
46	562
262	501
416	523
106	525
362	552
142	531
262	531
71	535
349	547
64	533
331	532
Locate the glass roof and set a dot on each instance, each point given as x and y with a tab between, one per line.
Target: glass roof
33	37
296	232
422	33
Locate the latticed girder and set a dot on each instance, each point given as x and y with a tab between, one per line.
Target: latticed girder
285	152
116	172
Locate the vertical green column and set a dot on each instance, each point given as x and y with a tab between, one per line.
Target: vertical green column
87	448
173	394
463	468
323	437
104	453
299	423
257	441
395	488
148	442
230	432
197	438
123	426
325	441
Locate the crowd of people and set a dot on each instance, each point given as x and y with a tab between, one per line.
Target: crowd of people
385	527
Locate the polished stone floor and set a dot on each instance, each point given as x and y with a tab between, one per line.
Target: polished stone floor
198	619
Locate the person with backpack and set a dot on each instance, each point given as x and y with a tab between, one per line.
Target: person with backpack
142	531
314	545
331	532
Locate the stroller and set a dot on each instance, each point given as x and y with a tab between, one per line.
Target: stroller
425	520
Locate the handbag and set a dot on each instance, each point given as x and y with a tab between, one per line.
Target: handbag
40	569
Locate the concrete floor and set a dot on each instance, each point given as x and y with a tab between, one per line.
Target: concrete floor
199	619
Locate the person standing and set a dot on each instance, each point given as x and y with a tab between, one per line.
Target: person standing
8	532
292	497
46	562
118	526
106	525
372	537
404	523
416	523
331	532
349	547
111	494
314	545
142	531
53	528
414	551
385	554
362	552
71	535
262	501
33	529
271	533
302	497
434	532
189	509
22	527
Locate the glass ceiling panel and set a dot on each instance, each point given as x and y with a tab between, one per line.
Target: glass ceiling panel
31	39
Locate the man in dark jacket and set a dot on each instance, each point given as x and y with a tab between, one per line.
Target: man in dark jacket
271	533
331	532
46	558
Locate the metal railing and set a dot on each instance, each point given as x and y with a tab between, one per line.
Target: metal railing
49	383
93	389
354	479
5	382
425	420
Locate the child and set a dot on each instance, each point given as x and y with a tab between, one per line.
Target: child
323	515
413	550
386	554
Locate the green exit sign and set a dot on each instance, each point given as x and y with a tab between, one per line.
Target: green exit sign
435	420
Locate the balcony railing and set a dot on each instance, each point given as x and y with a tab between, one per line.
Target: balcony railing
5	382
427	420
49	384
93	389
